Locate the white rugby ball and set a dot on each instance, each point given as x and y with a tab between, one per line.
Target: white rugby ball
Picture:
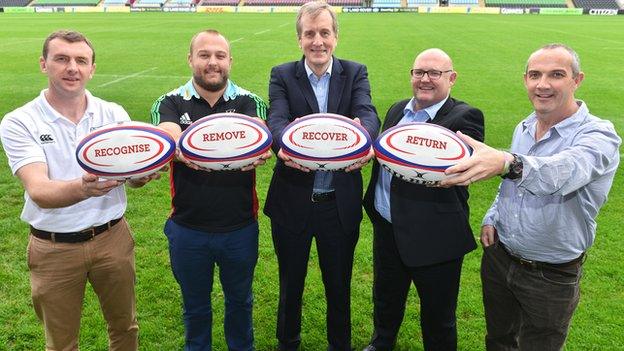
225	141
125	150
325	141
420	152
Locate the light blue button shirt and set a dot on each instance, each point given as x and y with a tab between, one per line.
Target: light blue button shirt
320	86
549	214
382	188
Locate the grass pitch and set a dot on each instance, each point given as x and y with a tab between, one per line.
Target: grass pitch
143	55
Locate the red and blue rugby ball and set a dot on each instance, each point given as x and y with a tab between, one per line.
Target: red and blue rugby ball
325	141
125	150
420	152
225	141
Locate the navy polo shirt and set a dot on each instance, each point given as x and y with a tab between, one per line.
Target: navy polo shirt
213	202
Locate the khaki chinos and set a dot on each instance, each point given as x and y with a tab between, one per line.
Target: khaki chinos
58	275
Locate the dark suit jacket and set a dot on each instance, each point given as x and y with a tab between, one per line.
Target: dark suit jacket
291	96
430	224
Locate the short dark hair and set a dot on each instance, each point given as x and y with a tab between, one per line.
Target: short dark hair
314	9
69	36
207	31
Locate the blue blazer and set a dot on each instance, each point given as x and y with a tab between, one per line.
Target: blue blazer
291	96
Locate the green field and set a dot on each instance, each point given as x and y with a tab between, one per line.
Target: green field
143	55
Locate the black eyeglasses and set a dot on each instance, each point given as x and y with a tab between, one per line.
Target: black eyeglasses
433	74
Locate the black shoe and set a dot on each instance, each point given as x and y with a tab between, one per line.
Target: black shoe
282	347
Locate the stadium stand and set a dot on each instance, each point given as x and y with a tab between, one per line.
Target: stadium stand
463	2
14	3
275	2
301	2
218	2
149	3
115	2
351	3
416	3
386	3
179	3
525	3
596	4
65	2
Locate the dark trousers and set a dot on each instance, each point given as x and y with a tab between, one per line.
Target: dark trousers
437	286
335	251
194	255
527	308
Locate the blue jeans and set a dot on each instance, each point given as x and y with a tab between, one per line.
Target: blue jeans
193	257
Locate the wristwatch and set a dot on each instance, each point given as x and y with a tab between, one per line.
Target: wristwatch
514	170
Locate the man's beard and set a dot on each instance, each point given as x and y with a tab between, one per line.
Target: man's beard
212	87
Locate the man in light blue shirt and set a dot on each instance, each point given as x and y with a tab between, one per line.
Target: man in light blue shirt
316	206
557	175
320	86
382	188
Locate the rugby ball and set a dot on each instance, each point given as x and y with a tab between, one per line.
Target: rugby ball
225	141
419	152
125	150
325	141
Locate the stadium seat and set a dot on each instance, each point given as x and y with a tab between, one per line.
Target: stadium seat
219	2
463	2
275	2
386	3
14	3
180	3
149	3
115	2
596	4
65	2
416	3
525	3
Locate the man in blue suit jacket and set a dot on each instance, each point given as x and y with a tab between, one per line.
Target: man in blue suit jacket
325	206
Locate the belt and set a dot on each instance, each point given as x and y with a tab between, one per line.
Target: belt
537	264
323	197
75	237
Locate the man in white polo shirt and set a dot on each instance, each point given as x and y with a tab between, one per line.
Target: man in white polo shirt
77	228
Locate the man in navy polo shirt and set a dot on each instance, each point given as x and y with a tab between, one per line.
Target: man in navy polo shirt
214	215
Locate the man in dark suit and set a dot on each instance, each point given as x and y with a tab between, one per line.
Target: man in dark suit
325	206
421	233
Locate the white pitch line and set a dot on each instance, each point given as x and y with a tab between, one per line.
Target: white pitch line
260	32
143	76
22	41
126	77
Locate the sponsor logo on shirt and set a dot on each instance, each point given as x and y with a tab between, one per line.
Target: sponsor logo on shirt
185	119
46	139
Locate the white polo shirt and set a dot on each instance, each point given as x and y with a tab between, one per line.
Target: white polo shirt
36	132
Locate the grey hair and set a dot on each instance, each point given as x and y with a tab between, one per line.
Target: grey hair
314	9
576	61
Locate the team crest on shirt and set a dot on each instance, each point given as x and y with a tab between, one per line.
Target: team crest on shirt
232	110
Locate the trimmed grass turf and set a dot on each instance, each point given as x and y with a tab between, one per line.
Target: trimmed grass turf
489	53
